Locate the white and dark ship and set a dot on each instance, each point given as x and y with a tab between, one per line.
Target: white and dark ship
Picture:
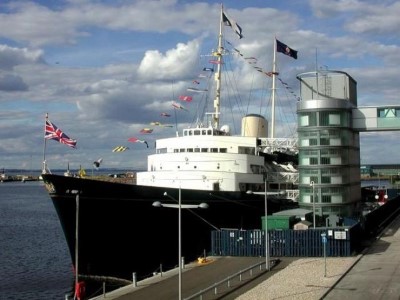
121	232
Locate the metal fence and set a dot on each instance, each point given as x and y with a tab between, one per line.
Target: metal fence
294	243
340	241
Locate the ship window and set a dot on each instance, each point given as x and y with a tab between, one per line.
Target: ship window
197	132
195	167
182	150
204	132
189	149
246	150
214	150
255	169
196	149
209	132
190	132
204	150
223	150
176	150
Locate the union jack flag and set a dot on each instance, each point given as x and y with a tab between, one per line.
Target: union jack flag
51	132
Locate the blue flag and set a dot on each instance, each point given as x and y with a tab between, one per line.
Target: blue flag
283	48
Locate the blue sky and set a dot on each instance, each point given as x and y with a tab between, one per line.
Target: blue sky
104	70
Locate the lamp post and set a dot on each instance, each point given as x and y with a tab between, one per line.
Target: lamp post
179	207
76	192
267	264
266	228
180	243
313	196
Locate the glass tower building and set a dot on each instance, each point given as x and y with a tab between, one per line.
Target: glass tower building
329	147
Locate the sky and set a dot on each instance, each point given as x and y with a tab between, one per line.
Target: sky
104	70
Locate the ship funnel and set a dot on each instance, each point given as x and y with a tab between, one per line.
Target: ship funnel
254	125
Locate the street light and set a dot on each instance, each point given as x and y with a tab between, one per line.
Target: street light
266	227
179	206
77	285
313	196
267	264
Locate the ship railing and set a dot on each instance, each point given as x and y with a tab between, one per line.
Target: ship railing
282	177
227	283
292	194
271	145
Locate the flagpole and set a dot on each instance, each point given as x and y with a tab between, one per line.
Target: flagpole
316	70
176	118
217	77
273	93
44	170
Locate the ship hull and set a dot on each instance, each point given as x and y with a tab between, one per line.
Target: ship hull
121	232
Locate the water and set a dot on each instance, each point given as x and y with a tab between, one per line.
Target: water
34	259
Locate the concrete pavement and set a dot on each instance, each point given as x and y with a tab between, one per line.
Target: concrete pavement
377	274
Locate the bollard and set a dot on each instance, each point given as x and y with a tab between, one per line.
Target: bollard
104	289
160	270
134	282
183	262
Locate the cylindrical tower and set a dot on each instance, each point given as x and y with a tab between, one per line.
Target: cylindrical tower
254	125
329	148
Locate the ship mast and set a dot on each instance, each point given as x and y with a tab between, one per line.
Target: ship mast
273	93
217	75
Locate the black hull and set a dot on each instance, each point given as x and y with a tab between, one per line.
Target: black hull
120	232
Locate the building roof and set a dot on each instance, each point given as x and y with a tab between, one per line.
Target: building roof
293	212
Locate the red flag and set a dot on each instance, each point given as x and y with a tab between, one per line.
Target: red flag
215	62
135	140
186	98
53	133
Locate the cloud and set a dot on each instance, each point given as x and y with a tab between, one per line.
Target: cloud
38	25
101	99
173	64
12	56
10	83
31	23
362	16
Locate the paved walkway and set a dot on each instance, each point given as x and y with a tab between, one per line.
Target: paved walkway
198	277
375	274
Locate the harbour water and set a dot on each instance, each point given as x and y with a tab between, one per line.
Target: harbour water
34	259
